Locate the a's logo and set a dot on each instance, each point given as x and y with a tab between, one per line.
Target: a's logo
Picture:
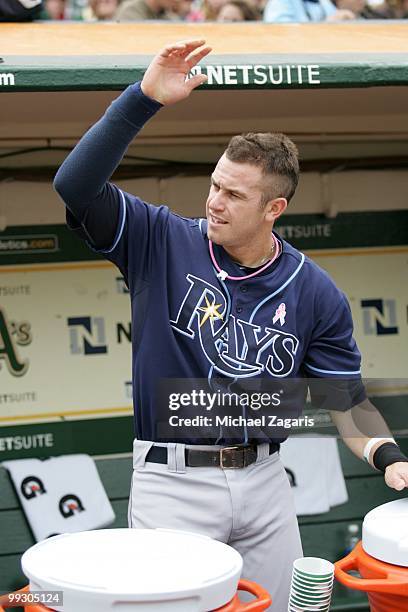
280	314
379	317
31	487
69	505
234	347
87	335
13	333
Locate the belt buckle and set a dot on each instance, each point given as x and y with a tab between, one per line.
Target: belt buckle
229	451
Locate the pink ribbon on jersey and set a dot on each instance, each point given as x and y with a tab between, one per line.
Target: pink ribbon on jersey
280	314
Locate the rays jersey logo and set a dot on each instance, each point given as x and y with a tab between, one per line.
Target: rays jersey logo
234	347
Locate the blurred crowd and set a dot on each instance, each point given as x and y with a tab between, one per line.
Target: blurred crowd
270	11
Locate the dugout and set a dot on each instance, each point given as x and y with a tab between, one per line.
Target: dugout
339	90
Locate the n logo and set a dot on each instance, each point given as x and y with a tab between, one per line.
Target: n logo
379	317
12	333
87	335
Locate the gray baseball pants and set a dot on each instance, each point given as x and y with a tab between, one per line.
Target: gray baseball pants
251	509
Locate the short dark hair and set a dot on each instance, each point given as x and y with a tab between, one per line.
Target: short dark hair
277	156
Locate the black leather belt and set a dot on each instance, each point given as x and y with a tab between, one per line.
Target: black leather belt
229	457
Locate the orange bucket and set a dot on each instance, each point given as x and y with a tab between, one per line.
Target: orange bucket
386	584
262	602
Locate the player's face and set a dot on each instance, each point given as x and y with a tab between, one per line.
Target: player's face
234	212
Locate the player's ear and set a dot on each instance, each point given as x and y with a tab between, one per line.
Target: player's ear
274	209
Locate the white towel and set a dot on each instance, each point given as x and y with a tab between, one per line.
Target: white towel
315	473
61	494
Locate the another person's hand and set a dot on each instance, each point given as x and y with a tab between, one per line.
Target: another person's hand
165	78
342	15
396	475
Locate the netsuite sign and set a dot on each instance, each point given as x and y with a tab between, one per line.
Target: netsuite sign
260	74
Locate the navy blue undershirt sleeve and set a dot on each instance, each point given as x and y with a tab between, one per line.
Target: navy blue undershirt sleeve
93	203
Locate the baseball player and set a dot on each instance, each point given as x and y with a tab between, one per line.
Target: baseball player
221	298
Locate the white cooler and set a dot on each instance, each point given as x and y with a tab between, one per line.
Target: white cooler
145	570
385	533
381	559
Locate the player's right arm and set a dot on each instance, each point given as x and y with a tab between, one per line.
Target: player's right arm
165	78
93	204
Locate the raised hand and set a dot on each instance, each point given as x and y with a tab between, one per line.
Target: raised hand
165	78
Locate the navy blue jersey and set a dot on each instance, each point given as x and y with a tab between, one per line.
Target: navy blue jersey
289	322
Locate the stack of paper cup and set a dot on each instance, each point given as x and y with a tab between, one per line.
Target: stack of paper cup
312	585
